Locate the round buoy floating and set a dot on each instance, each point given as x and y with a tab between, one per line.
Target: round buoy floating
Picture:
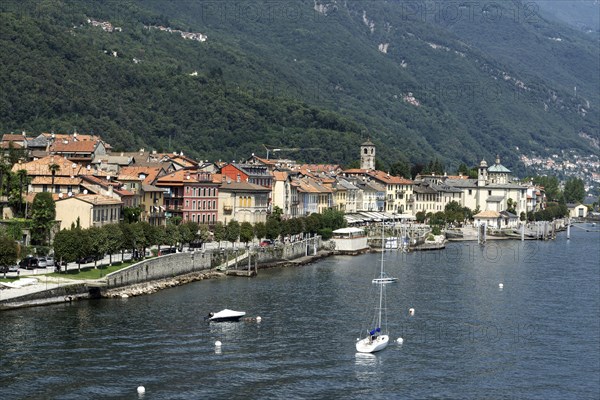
218	343
411	311
258	319
141	390
501	285
400	340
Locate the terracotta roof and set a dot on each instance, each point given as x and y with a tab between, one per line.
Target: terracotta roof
389	179
85	146
58	180
355	171
242	186
487	214
319	167
150	173
69	136
96	199
280	175
457	177
8	144
13	137
42	167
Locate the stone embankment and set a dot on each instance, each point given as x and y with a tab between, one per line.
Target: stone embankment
154	286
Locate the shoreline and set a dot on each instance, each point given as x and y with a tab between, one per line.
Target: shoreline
39	295
88	290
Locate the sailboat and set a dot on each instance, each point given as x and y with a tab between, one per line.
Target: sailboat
376	338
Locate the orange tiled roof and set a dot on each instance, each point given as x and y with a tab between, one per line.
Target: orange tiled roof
13	137
280	175
356	171
487	214
389	179
58	180
83	146
96	199
151	173
65	167
8	144
69	137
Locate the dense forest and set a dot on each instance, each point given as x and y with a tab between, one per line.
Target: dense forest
317	76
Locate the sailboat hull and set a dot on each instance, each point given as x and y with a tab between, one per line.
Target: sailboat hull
368	345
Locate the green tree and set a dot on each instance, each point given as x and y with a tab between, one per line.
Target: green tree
131	214
313	223
188	232
219	232
260	230
574	191
510	205
333	219
232	231
400	168
43	213
114	239
550	184
172	236
272	228
454	212
98	243
65	245
8	251
246	232
84	247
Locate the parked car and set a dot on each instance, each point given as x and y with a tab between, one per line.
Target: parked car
29	262
50	261
42	262
266	243
9	268
86	260
167	250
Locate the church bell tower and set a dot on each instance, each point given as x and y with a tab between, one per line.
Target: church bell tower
367	155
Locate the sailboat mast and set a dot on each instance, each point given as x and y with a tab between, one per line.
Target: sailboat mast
381	273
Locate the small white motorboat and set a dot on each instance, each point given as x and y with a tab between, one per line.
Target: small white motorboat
225	315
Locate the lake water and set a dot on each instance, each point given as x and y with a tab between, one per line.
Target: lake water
537	338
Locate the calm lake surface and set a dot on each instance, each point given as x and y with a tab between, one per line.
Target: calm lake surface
537	338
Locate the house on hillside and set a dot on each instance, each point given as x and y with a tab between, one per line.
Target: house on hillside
88	210
242	201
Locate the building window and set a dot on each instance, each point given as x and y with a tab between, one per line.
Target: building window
489	192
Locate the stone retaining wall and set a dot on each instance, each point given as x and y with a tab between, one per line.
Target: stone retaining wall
159	268
290	251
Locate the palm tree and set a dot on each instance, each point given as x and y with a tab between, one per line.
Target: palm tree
22	175
53	169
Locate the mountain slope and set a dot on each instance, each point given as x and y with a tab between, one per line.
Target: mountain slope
302	74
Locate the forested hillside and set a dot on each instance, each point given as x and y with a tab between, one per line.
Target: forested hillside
296	74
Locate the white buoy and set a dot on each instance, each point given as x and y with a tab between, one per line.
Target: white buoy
141	390
501	285
218	343
411	311
258	319
400	340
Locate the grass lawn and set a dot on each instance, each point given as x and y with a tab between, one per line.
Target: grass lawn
91	273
